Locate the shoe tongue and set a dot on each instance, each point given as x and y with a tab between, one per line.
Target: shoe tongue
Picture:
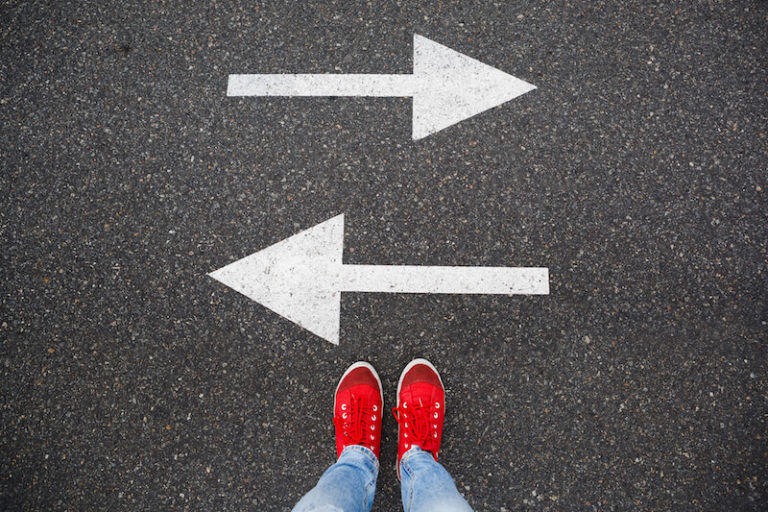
424	395
362	393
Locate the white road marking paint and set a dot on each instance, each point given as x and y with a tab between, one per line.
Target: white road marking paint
302	277
446	86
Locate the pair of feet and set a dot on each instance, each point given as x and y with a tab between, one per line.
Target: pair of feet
359	402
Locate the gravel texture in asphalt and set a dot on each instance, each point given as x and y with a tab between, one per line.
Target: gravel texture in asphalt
636	172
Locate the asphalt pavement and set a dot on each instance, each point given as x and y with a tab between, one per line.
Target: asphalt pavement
636	173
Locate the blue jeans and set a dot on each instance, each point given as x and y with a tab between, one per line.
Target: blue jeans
349	485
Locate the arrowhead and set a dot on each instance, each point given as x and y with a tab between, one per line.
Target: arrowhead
296	278
452	87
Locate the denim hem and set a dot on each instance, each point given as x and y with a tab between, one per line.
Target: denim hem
370	458
408	454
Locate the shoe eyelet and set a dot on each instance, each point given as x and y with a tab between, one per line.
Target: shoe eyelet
344	415
434	435
405	405
406	445
437	405
373	418
343	407
373	427
373	438
405	434
435	415
375	408
434	426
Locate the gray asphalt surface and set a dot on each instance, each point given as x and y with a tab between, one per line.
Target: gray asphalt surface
129	380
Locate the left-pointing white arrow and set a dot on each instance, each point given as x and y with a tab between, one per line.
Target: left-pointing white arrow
302	277
446	86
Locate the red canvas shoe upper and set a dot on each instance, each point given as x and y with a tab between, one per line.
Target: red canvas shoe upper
357	409
420	409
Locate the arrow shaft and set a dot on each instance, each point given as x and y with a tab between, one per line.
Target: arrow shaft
465	280
321	85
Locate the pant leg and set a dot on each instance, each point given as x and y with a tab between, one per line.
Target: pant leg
427	486
347	486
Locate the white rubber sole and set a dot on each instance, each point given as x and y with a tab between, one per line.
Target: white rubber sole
360	364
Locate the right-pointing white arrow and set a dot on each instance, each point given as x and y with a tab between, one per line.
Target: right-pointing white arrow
302	277
446	86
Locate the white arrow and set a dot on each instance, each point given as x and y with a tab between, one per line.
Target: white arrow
446	86
302	277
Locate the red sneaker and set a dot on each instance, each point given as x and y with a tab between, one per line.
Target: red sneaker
357	406
420	409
